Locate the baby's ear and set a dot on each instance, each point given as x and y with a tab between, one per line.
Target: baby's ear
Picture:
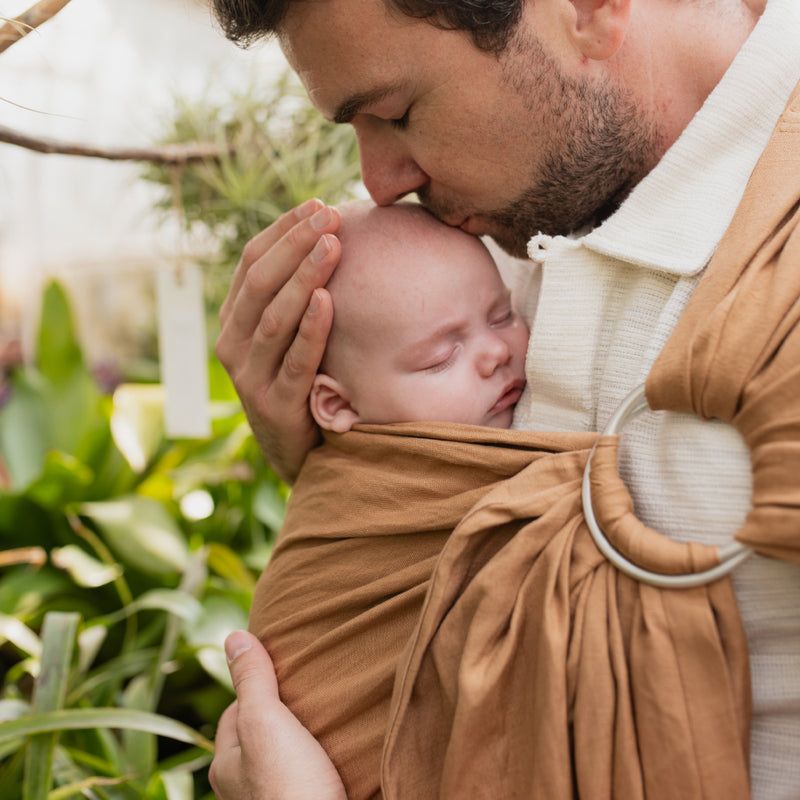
329	405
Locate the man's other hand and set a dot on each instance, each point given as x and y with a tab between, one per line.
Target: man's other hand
262	750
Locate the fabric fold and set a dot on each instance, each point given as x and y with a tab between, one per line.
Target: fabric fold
436	593
528	635
342	593
621	689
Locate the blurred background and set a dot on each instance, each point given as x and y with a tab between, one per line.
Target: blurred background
127	553
107	73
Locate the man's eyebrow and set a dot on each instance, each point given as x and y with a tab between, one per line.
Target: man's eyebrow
355	103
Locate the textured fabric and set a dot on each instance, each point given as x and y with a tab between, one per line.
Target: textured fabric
735	355
368	517
539	671
610	301
525	634
620	689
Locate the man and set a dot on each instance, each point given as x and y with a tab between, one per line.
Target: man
538	119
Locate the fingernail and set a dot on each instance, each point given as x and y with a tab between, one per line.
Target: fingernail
237	643
321	249
321	219
313	304
308	208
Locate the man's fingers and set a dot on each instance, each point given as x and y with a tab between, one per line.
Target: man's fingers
282	317
227	737
308	347
278	757
300	261
262	242
301	360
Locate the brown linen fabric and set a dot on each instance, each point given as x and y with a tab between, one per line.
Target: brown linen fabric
342	593
528	666
735	354
541	671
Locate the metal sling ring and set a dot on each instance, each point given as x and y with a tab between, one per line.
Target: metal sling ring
730	555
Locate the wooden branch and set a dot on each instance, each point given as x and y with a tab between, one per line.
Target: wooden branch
35	556
166	154
21	26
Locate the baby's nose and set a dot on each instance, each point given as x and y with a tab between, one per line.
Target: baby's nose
495	353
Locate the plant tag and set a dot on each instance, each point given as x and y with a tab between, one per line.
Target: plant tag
182	352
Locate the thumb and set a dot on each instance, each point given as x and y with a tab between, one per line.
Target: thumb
279	757
250	667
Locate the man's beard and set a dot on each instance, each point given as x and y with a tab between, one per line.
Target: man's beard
601	147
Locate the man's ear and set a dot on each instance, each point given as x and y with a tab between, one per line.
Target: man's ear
599	26
329	405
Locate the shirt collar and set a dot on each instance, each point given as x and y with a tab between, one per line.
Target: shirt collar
675	217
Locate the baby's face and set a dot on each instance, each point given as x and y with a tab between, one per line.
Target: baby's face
444	345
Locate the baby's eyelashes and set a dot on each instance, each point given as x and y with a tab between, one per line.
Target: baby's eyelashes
440	361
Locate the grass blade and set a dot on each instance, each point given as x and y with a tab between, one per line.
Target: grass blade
82	718
58	639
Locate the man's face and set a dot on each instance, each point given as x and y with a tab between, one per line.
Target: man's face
505	146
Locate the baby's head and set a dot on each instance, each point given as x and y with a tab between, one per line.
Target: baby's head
423	328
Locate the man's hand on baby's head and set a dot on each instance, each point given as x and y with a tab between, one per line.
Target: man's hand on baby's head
274	325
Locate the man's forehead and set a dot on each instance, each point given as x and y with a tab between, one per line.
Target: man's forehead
319	24
336	41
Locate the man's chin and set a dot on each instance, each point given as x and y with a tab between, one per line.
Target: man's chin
514	243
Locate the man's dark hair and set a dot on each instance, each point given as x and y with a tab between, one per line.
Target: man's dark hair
490	22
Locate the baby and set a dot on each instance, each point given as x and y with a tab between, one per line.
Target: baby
424	334
423	326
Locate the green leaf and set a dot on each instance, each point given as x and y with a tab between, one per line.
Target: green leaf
74	412
137	422
58	640
140	747
269	506
83	718
14	631
24	438
227	564
141	532
13	709
58	353
113	672
207	635
24	593
173	601
63	478
84	569
90	640
42	416
83	787
213	661
177	784
11	770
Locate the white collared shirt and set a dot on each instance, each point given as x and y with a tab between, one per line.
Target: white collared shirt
606	305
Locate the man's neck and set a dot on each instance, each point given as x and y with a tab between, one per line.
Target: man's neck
679	52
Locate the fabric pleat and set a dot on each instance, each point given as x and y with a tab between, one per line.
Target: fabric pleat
441	618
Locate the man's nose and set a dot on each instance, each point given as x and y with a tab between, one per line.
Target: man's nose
387	170
494	353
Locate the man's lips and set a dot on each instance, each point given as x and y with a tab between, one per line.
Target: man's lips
457	222
509	397
468	226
